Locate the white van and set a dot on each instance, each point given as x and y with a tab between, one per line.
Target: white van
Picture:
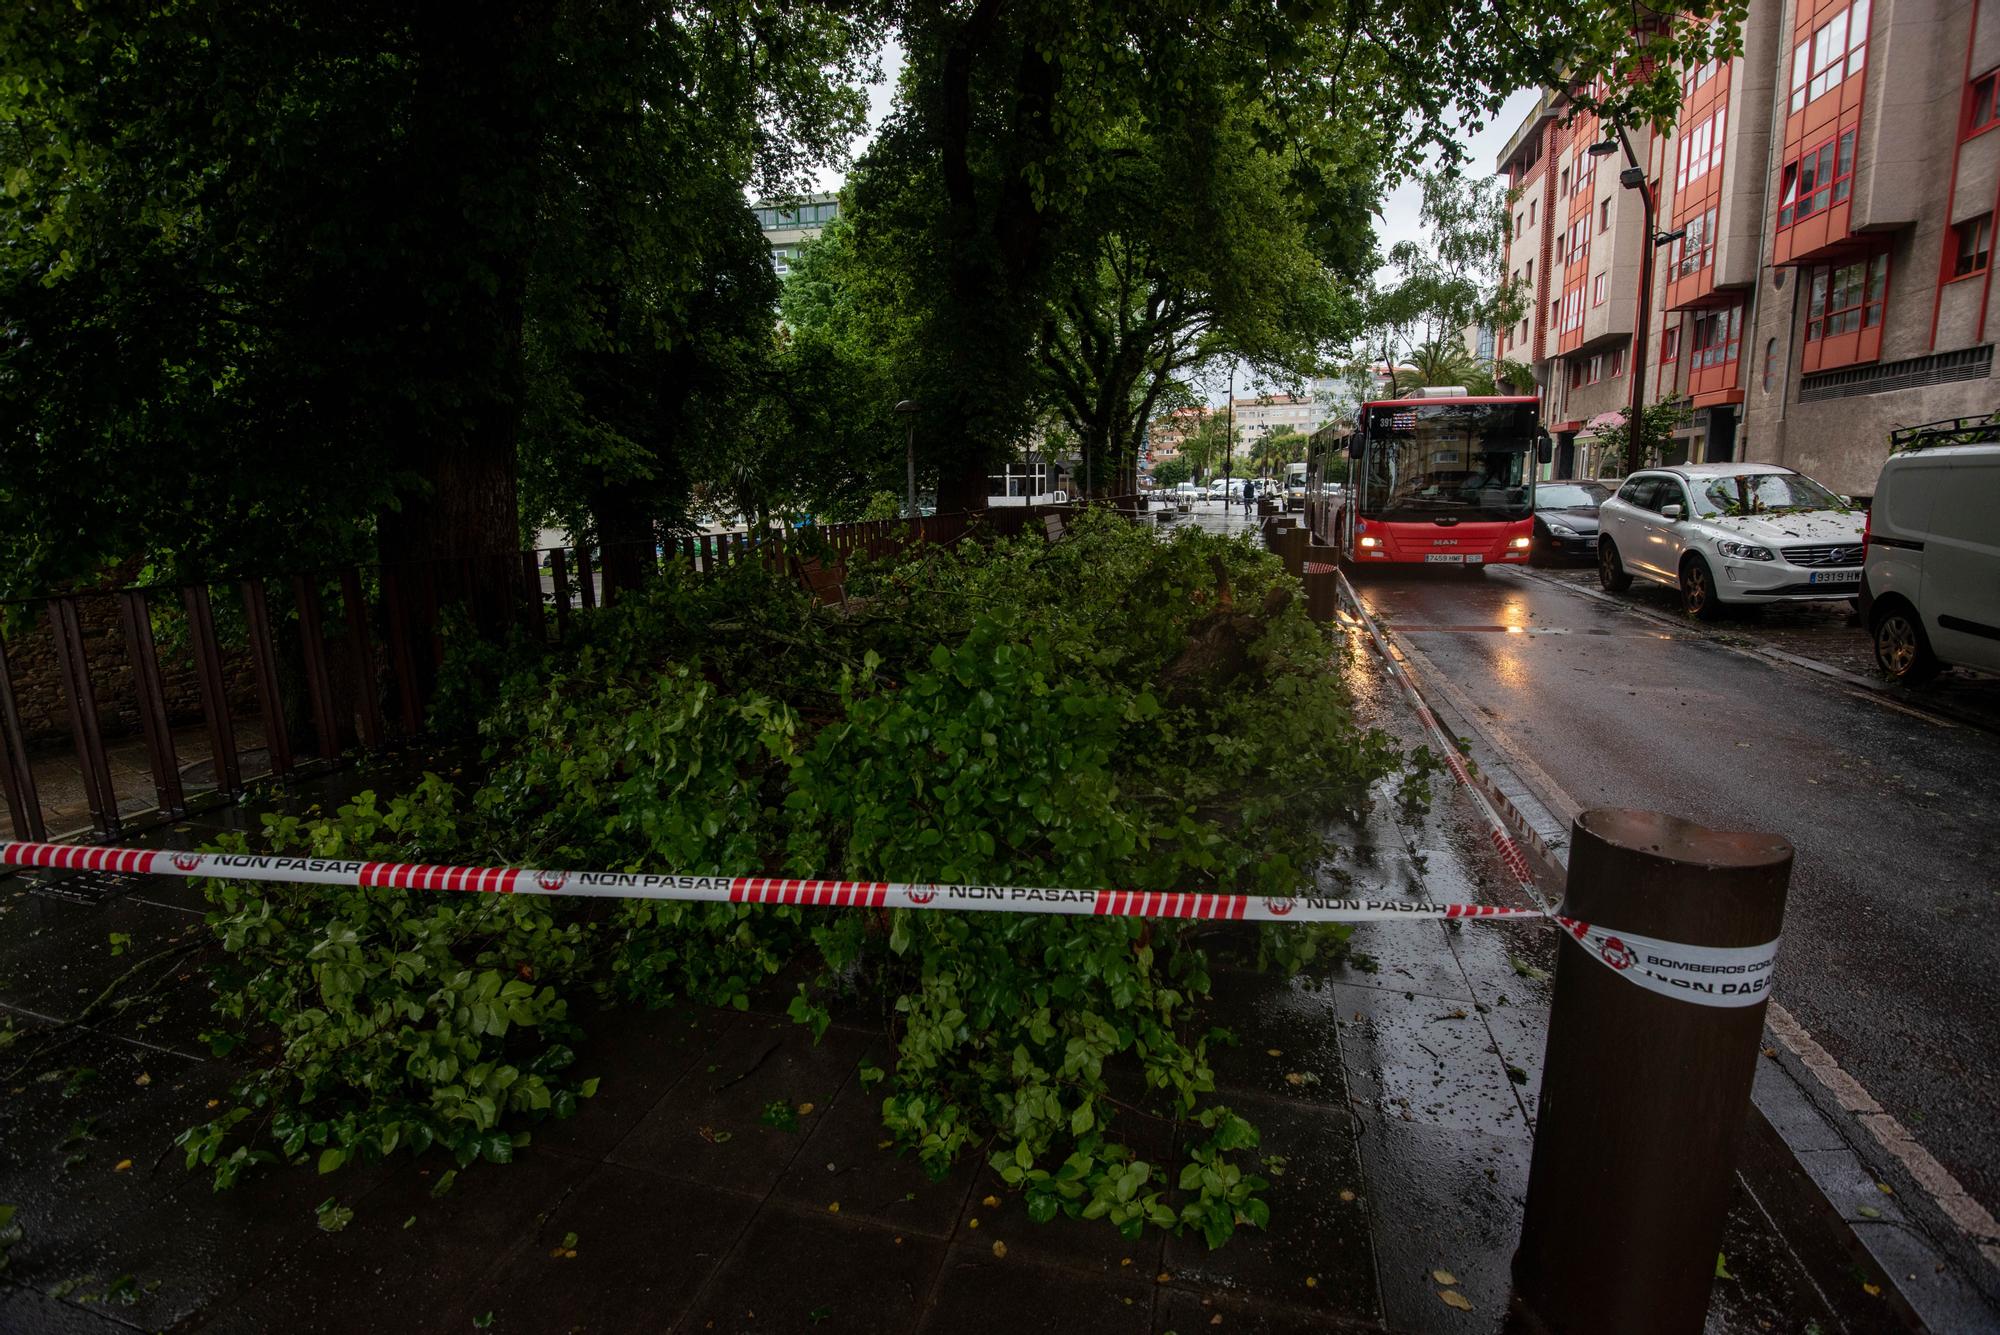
1931	585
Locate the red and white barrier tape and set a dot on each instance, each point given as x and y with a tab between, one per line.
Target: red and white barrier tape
805	893
1703	974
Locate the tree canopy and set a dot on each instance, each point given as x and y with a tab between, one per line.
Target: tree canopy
286	281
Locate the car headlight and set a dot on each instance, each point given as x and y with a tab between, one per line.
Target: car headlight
1562	530
1745	551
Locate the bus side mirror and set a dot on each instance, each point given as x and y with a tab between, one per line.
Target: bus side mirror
1546	450
1354	448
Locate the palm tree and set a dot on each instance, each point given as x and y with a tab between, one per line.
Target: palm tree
1442	361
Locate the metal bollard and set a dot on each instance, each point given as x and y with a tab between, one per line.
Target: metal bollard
1644	1095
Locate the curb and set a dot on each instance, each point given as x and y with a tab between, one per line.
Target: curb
1928	1288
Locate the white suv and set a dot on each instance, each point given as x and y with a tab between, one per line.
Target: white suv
1730	533
1932	595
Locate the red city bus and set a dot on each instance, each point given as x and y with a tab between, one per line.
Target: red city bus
1440	479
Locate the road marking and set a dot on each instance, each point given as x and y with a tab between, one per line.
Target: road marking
1971	1218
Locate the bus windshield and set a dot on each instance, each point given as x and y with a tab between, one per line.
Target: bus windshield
1468	461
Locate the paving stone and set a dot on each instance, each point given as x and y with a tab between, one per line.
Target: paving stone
979	1291
710	1126
1443	1198
1407	955
845	1161
192	1251
637	1056
1193	1312
62	958
1286	1043
32	1312
69	1121
1314	1234
1413	1059
818	1273
644	1247
406	1262
1766	1288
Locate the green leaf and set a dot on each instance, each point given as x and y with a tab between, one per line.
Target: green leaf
331	1158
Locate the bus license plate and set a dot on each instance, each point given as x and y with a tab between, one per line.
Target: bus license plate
1834	577
1444	559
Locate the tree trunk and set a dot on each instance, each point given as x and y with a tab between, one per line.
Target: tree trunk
626	533
470	166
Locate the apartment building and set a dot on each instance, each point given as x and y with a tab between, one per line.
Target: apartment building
1829	196
788	226
1259	416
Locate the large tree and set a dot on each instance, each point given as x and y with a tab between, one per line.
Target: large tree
1014	116
280	276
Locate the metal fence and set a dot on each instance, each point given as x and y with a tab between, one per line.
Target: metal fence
321	661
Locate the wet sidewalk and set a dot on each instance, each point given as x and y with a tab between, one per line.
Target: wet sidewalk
1395	1092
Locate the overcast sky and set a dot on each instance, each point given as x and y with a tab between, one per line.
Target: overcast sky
1399	221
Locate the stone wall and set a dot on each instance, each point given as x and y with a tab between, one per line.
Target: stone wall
31	658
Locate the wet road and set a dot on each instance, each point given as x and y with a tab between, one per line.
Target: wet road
1890	953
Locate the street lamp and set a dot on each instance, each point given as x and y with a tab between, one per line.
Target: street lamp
1634	178
908	407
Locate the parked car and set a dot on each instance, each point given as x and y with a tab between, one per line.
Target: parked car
1728	534
1931	584
1566	519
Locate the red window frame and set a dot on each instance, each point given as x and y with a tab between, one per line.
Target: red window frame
1982	104
1718	337
1694	251
1861	287
1818	178
1971	247
1617	363
1670	344
1818	67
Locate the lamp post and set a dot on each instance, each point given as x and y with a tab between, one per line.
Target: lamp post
1634	178
908	407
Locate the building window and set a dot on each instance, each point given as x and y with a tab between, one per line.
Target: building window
1700	149
1670	344
1595	370
1555	312
1604	215
1770	362
1983	106
1617	362
1694	251
1564	190
1531	273
1837	50
1597	290
1531	213
1817	181
1972	241
1847	298
1717	336
1698	76
1576	375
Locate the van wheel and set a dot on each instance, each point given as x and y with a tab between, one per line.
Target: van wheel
1698	598
1902	650
1611	571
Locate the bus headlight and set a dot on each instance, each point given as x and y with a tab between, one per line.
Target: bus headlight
1371	542
1520	544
